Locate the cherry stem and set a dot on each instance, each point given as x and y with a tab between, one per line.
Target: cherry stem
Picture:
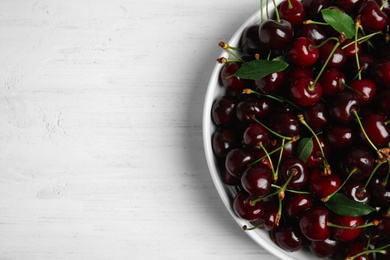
276	11
270	153
261	11
369	224
357	26
273	132
229	49
360	94
292	191
383	4
387	122
282	189
364	133
327	169
280	155
289	6
270	160
274	97
372	175
341	186
245	227
314	22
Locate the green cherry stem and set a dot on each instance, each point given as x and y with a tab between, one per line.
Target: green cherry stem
357	26
271	152
365	134
230	50
292	191
369	224
295	138
274	97
276	11
380	250
372	175
327	169
314	22
383	4
341	186
270	160
280	155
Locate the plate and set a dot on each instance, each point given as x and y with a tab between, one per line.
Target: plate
215	90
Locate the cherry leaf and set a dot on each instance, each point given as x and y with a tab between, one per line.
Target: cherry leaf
341	205
340	21
258	69
304	149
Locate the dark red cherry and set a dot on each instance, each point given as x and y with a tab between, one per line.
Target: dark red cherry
284	123
379	192
231	82
346	234
361	158
356	191
348	5
250	41
351	50
289	238
317	116
365	60
326	249
332	81
253	135
223	141
312	32
275	35
340	135
321	184
258	107
245	208
223	111
356	249
271	83
257	180
384	6
270	218
302	52
294	73
227	178
314	224
292	11
305	92
296	204
380	70
337	60
343	106
237	161
295	167
382	101
313	8
375	127
365	90
371	16
316	159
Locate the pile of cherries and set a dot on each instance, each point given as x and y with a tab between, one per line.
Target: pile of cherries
292	141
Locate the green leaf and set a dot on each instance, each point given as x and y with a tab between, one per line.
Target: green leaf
340	21
258	69
341	205
304	149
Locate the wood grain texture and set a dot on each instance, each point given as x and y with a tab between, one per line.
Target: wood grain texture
101	153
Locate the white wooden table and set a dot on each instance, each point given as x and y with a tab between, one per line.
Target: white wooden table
101	153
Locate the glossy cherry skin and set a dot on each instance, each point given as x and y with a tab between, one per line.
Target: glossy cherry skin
271	83
302	52
351	50
224	140
257	180
375	126
314	224
275	35
361	158
258	107
231	82
305	92
382	101
250	41
295	13
326	249
313	8
343	106
237	161
321	184
223	111
365	90
332	81
348	5
372	18
226	177
294	73
270	218
289	238
245	208
317	116
284	123
357	247
355	190
337	60
296	167
315	158
253	135
380	70
346	234
340	136
312	32
296	204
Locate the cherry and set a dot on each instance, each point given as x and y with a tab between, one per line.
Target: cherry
223	141
289	149
275	35
227	178
340	135
349	48
313	8
384	6
382	101
338	58
244	207
361	159
325	249
356	248
254	134
375	127
303	52
365	60
271	83
289	238
223	111
296	167
381	72
294	73
316	158
296	204
305	92
323	185
314	224
237	161
346	234
365	90
250	41
348	5
292	11
249	107
312	32
379	192
372	18
229	81
332	81
317	116
257	180
284	123
271	218
355	190
343	106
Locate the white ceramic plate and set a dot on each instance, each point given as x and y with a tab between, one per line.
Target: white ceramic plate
226	193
